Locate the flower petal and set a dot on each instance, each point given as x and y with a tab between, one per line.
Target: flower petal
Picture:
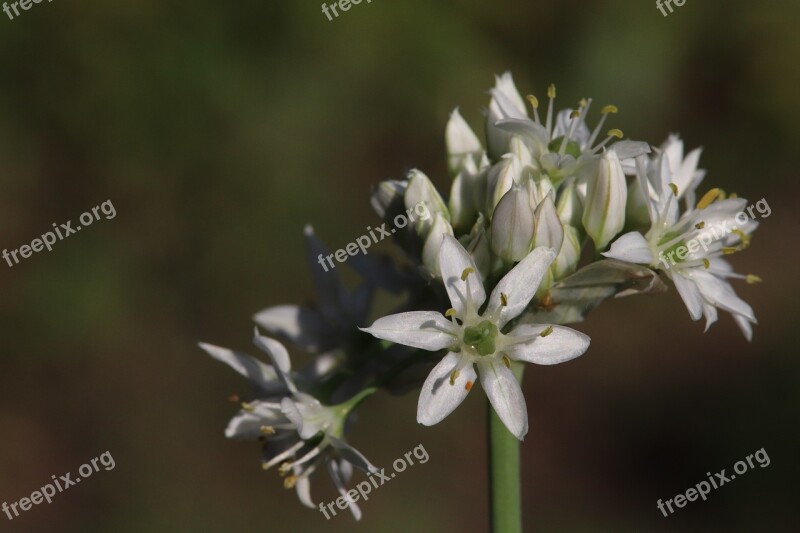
427	330
351	455
631	248
690	294
453	261
520	285
338	479
301	326
559	345
263	375
438	398
505	395
721	294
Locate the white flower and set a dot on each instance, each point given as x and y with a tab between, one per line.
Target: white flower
689	248
299	432
475	338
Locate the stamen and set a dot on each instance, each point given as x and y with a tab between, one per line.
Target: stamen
535	105
708	198
467	272
454	376
674	189
605	111
551	94
609	109
616	133
450	313
575	116
742	237
248	407
267	430
503	299
729	250
733	196
290	482
506	361
284	455
611	134
700	225
753	279
706	263
547	331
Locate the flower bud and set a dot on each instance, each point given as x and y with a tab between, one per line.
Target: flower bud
549	231
570	206
462	143
386	195
421	190
433	242
502	177
567	259
606	196
466	196
512	226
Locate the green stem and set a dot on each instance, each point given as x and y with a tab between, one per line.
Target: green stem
505	503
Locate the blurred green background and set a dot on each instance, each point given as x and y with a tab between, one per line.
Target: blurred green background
218	130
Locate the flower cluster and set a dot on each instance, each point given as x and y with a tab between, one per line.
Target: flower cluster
549	218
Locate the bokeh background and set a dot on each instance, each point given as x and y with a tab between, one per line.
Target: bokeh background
218	130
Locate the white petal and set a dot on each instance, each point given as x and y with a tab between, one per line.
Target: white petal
744	325
690	294
520	285
279	356
631	248
721	294
560	345
247	423
302	326
303	488
427	330
259	373
505	395
338	479
438	398
453	261
351	455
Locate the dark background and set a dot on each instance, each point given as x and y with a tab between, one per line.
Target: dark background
218	130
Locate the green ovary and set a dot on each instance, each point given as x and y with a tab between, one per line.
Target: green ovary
573	148
674	248
481	337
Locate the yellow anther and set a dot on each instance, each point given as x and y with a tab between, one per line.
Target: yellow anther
583	103
733	196
722	194
290	482
575	114
674	189
267	430
700	225
752	278
450	312
706	263
264	466
728	250
284	469
551	91
708	198
503	299
546	331
506	361
742	236
616	133
454	376
533	100
610	109
248	407
467	272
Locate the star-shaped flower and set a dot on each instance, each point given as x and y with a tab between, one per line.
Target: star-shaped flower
476	338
